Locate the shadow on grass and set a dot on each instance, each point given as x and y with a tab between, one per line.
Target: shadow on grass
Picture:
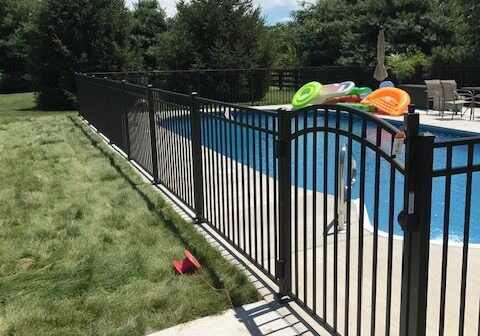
170	221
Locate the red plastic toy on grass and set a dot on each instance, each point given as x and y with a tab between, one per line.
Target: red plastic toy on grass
188	266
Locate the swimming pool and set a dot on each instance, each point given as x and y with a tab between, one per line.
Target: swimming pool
253	148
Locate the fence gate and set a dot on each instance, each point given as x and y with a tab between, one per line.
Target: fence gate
342	186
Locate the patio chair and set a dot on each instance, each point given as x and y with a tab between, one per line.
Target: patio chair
434	94
455	99
475	104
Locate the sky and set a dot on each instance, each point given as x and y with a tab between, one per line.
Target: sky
273	10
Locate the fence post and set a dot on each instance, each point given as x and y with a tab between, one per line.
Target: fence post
280	78
197	81
93	113
415	221
252	89
283	152
295	79
153	133
107	112
197	158
77	86
125	115
87	111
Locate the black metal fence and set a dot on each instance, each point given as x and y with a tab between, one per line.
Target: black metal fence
277	86
324	200
239	177
464	75
456	176
336	265
245	86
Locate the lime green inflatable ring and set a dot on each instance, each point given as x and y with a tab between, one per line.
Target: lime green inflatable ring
307	94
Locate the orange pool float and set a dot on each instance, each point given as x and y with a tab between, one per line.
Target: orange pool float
389	100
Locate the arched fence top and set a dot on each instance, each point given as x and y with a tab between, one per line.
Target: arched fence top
384	125
373	132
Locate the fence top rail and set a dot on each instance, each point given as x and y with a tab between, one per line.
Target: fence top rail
171	93
347	110
101	80
388	155
135	87
329	67
473	140
237	107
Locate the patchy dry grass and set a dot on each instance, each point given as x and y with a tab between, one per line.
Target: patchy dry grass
85	243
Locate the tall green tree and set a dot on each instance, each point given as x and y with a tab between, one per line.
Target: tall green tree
470	12
76	35
147	23
16	25
281	41
216	34
320	31
345	32
454	50
410	26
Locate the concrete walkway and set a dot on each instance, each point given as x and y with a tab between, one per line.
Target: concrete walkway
259	318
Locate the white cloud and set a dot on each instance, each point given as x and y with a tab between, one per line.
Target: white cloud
269	4
266	5
168	5
285	19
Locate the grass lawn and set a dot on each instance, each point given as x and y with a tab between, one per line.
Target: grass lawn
85	244
276	96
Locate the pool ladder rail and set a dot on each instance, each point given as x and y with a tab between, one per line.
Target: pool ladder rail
343	187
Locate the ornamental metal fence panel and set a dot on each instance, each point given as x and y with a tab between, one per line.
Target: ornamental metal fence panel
453	306
340	209
173	125
243	86
240	179
343	168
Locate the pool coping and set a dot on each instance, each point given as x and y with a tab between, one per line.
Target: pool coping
367	226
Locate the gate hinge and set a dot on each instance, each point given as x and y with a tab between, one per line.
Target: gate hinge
279	148
280	268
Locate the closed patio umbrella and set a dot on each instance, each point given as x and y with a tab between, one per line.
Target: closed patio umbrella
380	71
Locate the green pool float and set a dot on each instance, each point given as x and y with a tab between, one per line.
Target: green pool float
306	95
357	106
357	91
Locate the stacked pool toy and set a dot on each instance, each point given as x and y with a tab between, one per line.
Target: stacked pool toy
386	100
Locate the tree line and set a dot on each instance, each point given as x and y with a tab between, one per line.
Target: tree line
43	43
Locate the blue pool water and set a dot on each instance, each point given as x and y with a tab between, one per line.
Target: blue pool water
232	140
